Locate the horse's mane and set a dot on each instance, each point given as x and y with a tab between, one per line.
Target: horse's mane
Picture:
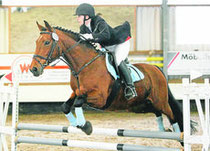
75	36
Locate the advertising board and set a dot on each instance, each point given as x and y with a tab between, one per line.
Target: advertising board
188	63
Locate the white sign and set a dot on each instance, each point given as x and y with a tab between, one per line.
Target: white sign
186	63
19	65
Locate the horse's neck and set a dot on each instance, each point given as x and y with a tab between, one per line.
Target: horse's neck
79	55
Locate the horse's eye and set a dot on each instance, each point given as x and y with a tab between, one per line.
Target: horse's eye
46	43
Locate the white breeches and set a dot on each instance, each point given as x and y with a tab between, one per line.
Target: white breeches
121	51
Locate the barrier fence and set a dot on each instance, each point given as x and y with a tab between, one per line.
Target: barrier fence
9	94
192	90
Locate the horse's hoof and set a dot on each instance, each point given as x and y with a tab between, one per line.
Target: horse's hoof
168	130
87	128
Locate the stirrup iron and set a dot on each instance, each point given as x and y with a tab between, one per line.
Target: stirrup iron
132	93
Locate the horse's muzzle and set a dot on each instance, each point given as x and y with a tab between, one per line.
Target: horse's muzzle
35	71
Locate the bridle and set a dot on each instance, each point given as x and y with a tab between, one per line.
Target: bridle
49	58
62	56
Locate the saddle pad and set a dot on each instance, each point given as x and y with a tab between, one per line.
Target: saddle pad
136	74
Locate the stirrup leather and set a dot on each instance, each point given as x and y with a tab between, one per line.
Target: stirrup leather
130	92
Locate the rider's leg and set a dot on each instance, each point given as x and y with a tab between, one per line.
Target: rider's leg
130	91
121	53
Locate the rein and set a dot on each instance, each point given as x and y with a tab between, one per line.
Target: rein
74	72
62	56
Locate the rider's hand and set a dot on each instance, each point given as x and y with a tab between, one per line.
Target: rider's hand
97	46
86	36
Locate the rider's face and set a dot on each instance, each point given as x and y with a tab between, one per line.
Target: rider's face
80	19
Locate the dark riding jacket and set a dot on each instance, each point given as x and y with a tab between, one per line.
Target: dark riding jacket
106	35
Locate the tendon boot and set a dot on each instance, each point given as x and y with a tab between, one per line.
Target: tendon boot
129	91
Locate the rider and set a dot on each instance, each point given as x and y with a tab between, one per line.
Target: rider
95	28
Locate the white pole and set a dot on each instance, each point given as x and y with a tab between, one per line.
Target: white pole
200	112
186	111
206	134
102	131
5	112
15	112
4	105
1	116
91	145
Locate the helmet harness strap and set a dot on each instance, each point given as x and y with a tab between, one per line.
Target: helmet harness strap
85	19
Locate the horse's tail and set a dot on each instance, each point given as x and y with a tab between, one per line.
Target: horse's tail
176	109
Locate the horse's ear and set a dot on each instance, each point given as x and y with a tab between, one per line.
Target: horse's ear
41	28
48	26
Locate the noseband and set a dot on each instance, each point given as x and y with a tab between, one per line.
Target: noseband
49	58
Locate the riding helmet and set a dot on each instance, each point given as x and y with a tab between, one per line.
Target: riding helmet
85	9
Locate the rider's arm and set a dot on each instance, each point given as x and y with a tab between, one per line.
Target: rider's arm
102	32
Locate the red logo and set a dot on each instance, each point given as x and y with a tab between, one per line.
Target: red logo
24	67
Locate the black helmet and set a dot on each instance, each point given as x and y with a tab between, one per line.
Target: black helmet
85	9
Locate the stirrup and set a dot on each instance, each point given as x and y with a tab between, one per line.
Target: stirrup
130	92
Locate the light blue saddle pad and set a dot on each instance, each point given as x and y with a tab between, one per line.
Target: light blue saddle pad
136	74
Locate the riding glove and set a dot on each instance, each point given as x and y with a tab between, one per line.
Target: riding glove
86	36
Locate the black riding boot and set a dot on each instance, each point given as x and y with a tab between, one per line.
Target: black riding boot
130	91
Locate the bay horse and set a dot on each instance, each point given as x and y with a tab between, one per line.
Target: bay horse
91	83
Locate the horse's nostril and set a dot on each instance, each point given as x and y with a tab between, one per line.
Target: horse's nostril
34	69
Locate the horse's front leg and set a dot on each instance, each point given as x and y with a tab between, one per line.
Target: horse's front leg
84	125
79	101
79	121
66	107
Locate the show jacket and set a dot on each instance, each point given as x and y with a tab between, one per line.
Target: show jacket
106	35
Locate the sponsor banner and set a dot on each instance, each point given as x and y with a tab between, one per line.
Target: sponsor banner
19	66
188	62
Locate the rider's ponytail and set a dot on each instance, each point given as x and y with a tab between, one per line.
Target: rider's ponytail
98	14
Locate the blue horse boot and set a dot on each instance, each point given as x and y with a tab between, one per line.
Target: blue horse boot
84	125
72	120
160	123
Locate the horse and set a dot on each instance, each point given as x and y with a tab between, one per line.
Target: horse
92	84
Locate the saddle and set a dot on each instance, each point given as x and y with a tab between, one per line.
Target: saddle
112	67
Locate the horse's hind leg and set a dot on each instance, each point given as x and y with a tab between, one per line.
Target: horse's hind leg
150	108
160	121
168	112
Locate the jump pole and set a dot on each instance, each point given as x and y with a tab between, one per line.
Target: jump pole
103	131
91	145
